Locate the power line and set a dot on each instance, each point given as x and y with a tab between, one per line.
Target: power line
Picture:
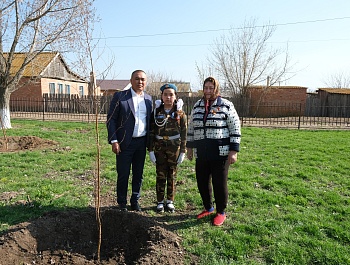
209	44
215	30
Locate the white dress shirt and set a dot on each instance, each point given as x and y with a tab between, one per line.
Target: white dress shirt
140	114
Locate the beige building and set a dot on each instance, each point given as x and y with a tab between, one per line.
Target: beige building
47	74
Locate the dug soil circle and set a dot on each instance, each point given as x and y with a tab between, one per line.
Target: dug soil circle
23	143
71	237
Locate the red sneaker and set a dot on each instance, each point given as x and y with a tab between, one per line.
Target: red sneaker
204	214
219	219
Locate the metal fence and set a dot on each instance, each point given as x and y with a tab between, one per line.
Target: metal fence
89	109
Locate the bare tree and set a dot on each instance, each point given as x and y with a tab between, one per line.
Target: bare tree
339	80
243	58
154	80
30	27
203	71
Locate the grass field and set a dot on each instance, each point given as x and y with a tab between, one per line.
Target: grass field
288	193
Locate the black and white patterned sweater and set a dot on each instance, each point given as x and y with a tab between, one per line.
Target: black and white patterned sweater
219	134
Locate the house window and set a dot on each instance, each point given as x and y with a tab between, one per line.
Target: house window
81	90
60	89
52	88
67	91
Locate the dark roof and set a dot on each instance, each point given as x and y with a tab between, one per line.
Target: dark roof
336	90
279	87
110	84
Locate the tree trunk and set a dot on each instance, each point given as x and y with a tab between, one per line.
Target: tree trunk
5	120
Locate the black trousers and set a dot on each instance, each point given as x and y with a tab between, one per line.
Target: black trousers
131	158
212	176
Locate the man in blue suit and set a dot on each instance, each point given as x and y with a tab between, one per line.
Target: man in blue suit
128	125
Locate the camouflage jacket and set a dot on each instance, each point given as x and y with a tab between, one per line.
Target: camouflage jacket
164	125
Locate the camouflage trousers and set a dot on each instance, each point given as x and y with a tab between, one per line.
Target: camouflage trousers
166	166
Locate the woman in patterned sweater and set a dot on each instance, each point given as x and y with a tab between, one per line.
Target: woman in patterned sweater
213	137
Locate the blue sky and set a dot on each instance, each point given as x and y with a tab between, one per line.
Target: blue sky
170	37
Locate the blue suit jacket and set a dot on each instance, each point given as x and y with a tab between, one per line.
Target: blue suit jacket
121	117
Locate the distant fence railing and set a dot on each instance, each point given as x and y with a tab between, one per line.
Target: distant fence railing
74	108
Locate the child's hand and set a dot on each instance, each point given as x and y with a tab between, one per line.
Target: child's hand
181	158
152	157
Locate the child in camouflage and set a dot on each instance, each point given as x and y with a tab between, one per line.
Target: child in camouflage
167	144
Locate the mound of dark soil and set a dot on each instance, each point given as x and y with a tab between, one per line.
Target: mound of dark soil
18	143
71	237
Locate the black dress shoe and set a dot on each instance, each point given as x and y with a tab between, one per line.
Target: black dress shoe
136	207
123	208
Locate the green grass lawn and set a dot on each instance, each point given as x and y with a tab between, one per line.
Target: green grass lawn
288	193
